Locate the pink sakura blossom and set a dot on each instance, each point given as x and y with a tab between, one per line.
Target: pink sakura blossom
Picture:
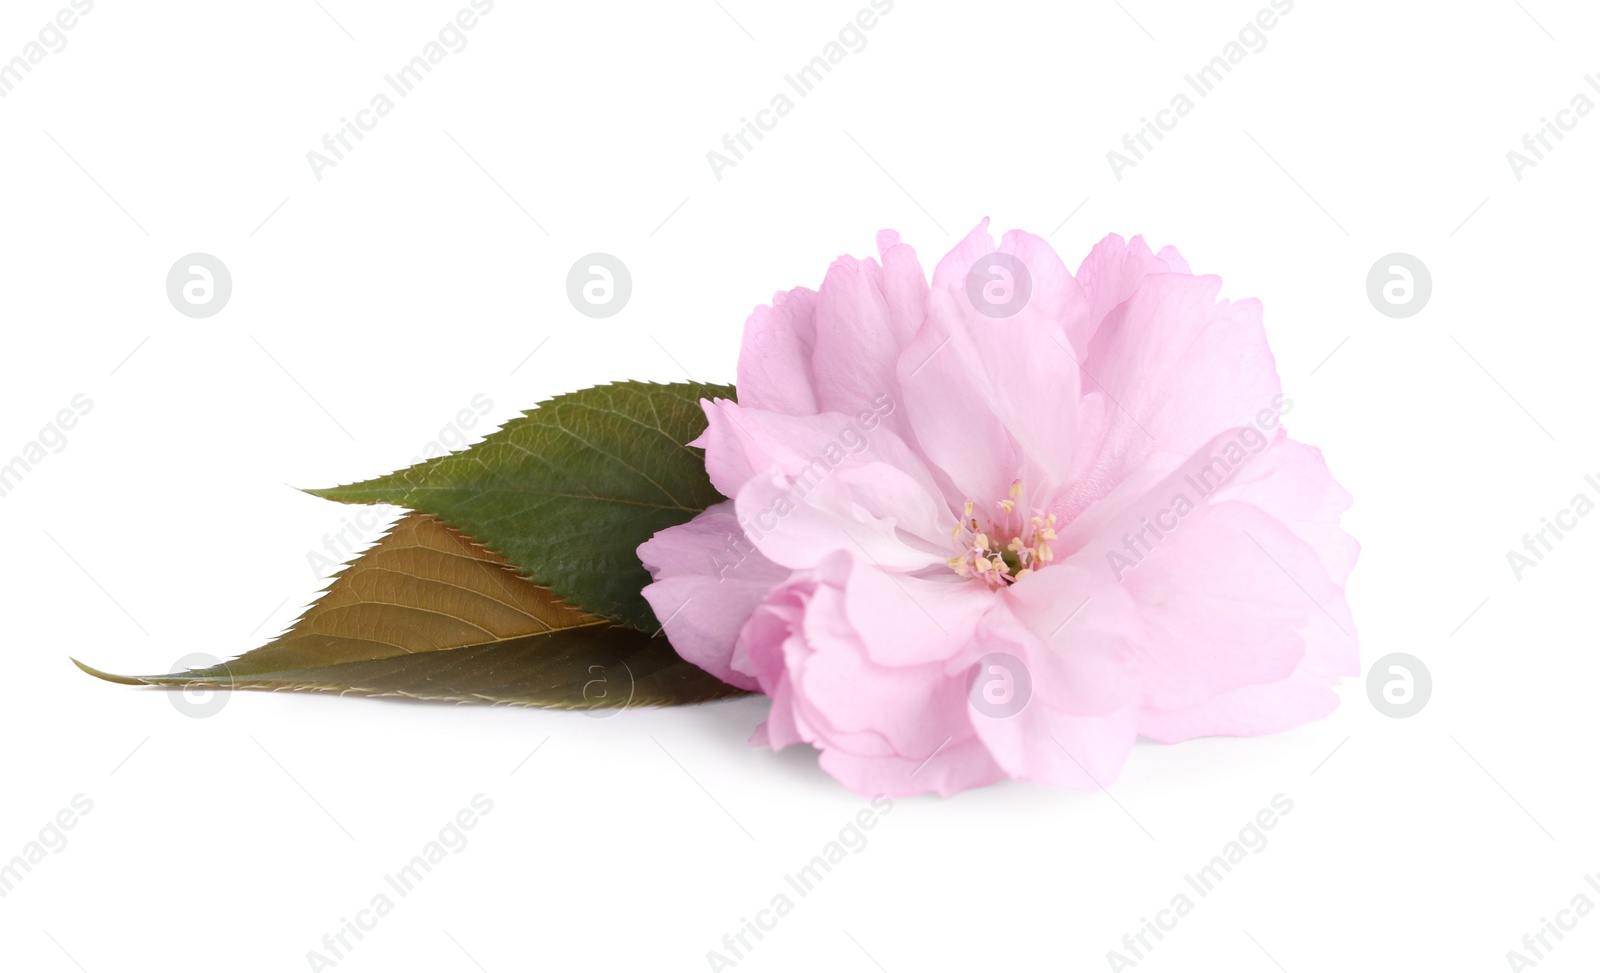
1001	525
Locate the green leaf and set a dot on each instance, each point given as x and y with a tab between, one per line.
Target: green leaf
583	668
429	614
568	491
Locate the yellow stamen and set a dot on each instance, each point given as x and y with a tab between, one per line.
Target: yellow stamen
1026	545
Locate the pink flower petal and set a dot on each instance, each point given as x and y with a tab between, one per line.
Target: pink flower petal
709	580
956	766
1169	369
775	359
992	393
1059	734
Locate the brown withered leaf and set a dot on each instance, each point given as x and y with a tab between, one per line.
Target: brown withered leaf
427	613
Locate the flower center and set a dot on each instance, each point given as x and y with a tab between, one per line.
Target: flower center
1006	547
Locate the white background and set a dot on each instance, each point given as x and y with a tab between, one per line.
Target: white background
425	268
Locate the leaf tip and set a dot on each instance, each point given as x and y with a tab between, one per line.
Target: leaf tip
107	676
325	493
